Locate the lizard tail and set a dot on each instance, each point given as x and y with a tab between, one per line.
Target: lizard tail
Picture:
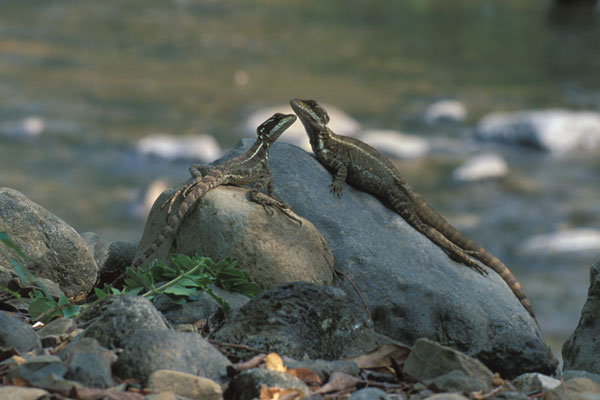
198	189
428	214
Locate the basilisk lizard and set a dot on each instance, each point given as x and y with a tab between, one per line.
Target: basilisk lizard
367	169
250	167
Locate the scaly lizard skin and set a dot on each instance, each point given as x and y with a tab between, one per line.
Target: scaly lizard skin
367	169
250	167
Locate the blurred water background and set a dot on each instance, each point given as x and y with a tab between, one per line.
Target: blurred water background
81	83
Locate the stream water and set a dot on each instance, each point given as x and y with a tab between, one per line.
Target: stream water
102	75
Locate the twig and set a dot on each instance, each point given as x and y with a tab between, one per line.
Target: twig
362	299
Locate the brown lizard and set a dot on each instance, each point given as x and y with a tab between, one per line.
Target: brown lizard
367	169
250	167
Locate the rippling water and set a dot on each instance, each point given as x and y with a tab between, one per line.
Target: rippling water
102	75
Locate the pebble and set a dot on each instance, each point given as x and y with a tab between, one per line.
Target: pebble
579	240
29	127
199	148
340	122
396	144
556	131
445	111
481	167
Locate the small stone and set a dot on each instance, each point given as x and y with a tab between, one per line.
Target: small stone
186	385
150	351
88	363
556	130
246	385
22	393
57	327
481	167
429	361
396	144
445	111
567	241
29	127
15	333
115	320
369	394
535	382
447	396
199	148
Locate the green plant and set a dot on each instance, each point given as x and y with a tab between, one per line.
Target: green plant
184	280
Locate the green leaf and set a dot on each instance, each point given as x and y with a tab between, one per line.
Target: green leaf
179	290
4	238
71	310
44	305
100	293
249	289
24	275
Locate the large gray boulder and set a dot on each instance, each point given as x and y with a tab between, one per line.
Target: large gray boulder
271	247
54	250
411	286
581	351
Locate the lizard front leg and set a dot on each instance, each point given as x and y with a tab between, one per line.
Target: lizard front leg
341	172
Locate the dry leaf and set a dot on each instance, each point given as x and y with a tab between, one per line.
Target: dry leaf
339	382
274	362
18	360
380	357
309	377
276	393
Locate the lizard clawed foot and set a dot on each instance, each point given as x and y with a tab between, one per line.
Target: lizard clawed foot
268	202
336	188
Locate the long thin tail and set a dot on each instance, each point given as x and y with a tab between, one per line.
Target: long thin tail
428	214
198	189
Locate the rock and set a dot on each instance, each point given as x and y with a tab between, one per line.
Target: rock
22	393
44	371
271	248
113	320
299	320
111	258
150	351
481	167
395	144
445	111
570	374
27	128
341	123
411	286
369	394
325	368
449	369
197	148
185	385
54	249
193	311
556	131
568	241
88	363
246	385
581	350
447	396
57	327
535	382
578	389
14	333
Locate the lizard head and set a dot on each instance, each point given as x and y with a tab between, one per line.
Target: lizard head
270	130
311	113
